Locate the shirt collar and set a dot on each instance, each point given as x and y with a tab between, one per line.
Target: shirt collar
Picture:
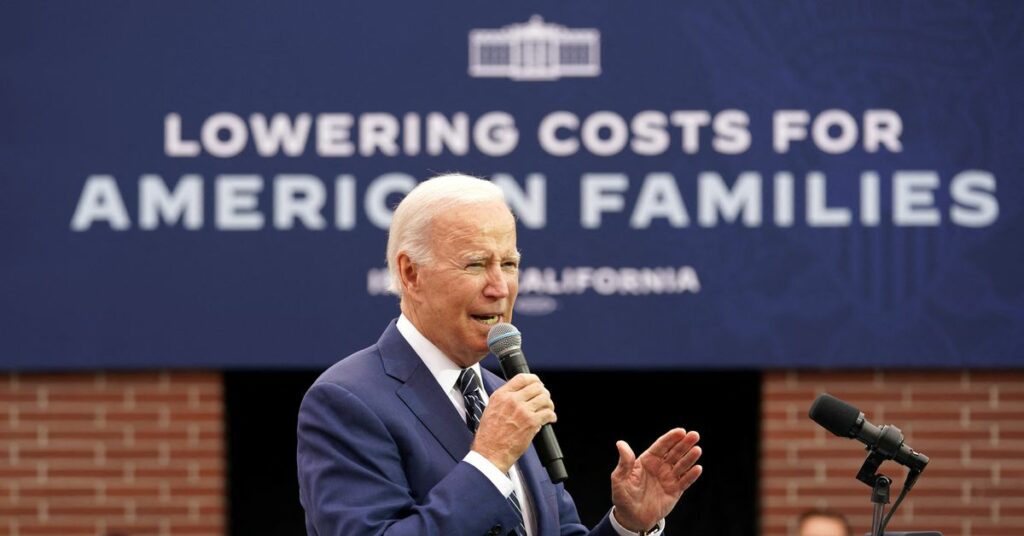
445	371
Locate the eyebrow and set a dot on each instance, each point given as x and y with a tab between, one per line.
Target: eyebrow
480	255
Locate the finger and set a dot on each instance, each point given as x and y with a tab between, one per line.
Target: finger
690	477
535	420
687	462
514	386
543	407
626	457
520	381
676	452
529	392
665	443
681	482
682	447
540	403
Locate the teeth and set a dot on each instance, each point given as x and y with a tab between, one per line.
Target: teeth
488	319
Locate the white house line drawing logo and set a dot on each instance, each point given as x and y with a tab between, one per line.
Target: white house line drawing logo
534	51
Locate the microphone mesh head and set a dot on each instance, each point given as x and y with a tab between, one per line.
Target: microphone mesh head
834	415
503	337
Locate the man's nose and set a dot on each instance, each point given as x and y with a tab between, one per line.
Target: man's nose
497	283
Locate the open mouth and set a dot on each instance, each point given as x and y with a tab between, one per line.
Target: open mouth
488	320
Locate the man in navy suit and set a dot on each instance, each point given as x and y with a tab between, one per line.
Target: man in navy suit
383	441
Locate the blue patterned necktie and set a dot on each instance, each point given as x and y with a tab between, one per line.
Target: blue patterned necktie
469	386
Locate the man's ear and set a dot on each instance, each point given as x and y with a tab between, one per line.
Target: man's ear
409	274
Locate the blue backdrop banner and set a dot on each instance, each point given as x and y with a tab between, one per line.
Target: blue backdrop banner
724	184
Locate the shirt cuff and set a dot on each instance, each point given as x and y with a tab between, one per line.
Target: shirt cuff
659	528
499	479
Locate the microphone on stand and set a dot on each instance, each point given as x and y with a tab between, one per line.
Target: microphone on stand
883	443
844	420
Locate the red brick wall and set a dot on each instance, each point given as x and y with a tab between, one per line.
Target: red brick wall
970	424
143	454
112	454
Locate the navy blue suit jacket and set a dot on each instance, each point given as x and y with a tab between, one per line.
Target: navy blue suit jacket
380	449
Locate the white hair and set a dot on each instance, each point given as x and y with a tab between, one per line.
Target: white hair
414	216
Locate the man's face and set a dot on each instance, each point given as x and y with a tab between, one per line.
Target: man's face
822	526
471	283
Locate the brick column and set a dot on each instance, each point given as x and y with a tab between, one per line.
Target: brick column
970	424
112	454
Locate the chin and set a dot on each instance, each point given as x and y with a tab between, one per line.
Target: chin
480	350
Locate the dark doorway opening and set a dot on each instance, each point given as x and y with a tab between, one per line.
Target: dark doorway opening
595	408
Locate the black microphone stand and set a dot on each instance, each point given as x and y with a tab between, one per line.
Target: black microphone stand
879	488
880	485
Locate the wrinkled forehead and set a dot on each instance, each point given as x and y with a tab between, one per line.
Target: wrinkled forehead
489	226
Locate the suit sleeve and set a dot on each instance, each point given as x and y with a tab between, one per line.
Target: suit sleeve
351	479
569	518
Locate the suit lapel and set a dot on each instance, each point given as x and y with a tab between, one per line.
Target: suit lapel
421	393
424	397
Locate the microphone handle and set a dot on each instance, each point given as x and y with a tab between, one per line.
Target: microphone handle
514	362
550	454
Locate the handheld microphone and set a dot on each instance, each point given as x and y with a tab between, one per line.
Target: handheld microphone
845	420
505	342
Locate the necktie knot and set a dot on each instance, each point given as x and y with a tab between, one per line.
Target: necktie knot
469	382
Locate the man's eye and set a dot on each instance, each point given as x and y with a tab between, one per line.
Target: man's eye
475	265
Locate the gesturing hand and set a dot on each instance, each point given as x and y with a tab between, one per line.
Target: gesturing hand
645	489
